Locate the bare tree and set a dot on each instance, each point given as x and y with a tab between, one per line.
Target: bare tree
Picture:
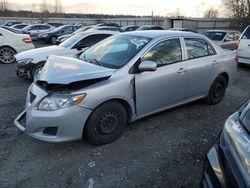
240	11
211	13
57	6
44	6
3	4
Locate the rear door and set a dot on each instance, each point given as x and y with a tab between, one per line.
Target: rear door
165	86
244	47
229	42
202	67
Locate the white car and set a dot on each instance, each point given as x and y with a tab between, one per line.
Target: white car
30	62
36	29
12	43
243	50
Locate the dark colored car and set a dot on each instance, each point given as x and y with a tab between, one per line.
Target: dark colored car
129	28
106	28
150	27
9	24
54	24
108	24
51	36
227	163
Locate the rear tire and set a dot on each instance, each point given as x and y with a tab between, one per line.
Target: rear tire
106	123
7	55
217	91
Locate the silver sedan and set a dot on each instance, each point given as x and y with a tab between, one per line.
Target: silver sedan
120	80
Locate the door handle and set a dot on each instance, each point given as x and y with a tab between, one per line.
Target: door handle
181	70
215	62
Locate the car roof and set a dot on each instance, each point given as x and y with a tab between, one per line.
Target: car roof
221	30
97	32
161	33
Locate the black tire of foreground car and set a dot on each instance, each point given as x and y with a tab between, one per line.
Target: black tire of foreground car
217	91
7	55
106	123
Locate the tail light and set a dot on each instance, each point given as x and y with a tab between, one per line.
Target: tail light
27	40
236	54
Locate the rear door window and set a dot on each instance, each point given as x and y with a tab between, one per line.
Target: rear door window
246	34
197	48
229	37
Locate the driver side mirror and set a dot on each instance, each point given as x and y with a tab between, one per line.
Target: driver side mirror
147	66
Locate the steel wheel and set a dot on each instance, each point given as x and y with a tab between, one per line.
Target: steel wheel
7	55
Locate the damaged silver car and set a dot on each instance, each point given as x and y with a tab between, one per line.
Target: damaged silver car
122	79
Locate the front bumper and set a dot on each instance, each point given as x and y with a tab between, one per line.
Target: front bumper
62	125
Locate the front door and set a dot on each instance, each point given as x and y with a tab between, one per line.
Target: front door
165	86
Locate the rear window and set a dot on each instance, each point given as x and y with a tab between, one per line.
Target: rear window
216	36
246	34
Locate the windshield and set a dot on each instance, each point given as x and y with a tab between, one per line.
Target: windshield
59	28
115	52
216	36
70	41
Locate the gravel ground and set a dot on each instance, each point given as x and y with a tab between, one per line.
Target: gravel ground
164	150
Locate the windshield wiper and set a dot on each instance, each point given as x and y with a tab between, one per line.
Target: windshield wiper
95	61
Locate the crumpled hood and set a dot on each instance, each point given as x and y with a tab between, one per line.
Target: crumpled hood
38	51
66	70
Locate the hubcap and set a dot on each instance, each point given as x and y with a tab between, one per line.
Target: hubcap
108	122
7	55
218	90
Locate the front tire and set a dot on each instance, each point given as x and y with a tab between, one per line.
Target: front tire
53	40
7	55
106	123
217	91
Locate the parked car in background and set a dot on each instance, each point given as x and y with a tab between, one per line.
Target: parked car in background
36	29
243	48
107	24
106	28
30	62
150	27
55	24
129	28
225	39
227	163
9	24
19	26
80	24
51	36
62	38
182	29
13	30
12	43
122	79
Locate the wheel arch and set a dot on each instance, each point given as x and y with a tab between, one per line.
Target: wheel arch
226	76
8	47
